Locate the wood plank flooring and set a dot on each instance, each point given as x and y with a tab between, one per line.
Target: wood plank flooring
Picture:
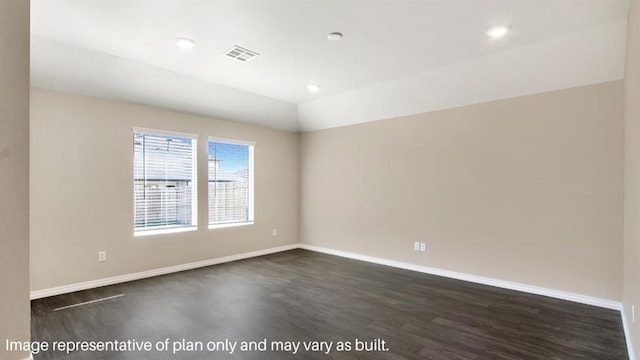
304	296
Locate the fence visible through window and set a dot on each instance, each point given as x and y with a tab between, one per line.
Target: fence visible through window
164	181
230	182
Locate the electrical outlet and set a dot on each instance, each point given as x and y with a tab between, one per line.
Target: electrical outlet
102	256
423	247
274	232
633	313
416	246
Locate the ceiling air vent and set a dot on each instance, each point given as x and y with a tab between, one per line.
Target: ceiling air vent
241	54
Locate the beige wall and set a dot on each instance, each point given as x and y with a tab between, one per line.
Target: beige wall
14	174
82	190
632	173
528	189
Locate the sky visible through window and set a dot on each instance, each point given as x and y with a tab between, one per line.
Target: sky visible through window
231	157
159	142
159	156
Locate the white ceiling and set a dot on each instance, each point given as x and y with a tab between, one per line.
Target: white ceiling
124	49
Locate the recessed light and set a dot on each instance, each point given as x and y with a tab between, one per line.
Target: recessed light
184	42
498	32
334	36
313	88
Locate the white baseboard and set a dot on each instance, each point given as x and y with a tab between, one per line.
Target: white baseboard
38	294
579	298
627	334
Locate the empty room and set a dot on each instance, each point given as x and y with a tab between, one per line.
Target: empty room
320	179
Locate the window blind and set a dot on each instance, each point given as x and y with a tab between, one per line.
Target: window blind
230	182
164	181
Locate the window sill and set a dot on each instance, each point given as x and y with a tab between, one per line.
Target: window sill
164	231
222	226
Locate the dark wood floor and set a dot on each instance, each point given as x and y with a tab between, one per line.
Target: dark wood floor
304	296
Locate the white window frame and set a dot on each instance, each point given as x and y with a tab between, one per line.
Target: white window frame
251	157
194	176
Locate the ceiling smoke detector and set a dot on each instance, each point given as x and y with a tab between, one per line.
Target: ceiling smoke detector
184	42
241	54
334	36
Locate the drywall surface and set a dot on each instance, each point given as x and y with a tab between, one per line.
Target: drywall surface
632	175
528	189
82	190
586	57
15	307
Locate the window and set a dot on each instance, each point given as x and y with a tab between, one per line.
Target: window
230	183
164	181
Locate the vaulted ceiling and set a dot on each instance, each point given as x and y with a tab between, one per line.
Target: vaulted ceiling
397	57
